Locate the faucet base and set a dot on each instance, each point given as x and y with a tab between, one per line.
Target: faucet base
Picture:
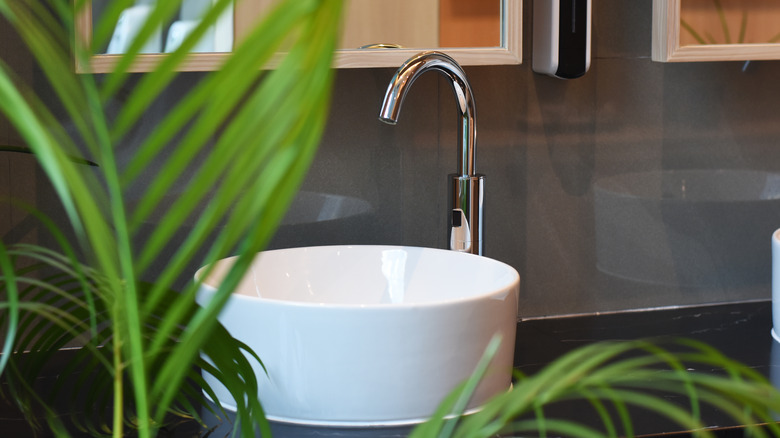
467	211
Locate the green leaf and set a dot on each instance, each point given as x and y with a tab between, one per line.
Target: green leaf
10	287
648	375
257	131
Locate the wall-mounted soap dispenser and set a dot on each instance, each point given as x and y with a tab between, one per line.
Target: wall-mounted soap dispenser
561	44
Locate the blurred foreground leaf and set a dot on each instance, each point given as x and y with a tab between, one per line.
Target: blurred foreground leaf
243	136
615	381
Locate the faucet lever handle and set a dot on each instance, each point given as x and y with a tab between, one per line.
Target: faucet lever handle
460	235
467	213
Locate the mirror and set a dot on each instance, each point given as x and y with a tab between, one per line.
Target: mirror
715	30
423	23
377	33
485	33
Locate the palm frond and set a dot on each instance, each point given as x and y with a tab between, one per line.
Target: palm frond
620	379
247	134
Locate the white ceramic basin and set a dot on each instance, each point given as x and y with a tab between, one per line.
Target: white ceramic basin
369	335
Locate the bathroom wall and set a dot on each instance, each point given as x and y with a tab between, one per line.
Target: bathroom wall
545	145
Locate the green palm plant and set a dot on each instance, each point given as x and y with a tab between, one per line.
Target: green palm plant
257	130
708	38
249	134
678	380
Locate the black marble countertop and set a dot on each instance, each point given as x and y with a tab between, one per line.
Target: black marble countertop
740	330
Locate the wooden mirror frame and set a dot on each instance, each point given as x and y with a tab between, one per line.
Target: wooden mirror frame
510	51
666	45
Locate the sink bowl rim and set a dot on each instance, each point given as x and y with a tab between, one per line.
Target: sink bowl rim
509	279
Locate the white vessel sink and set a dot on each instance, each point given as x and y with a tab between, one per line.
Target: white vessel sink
368	335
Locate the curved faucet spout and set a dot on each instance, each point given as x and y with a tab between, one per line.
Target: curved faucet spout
466	193
444	64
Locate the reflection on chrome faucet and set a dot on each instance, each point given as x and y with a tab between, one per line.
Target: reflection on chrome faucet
466	195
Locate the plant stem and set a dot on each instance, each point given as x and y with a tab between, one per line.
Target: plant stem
743	27
724	24
692	31
118	389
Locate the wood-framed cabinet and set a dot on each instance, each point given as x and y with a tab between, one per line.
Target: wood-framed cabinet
715	30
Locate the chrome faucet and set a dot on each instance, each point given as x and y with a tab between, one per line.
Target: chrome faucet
466	197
